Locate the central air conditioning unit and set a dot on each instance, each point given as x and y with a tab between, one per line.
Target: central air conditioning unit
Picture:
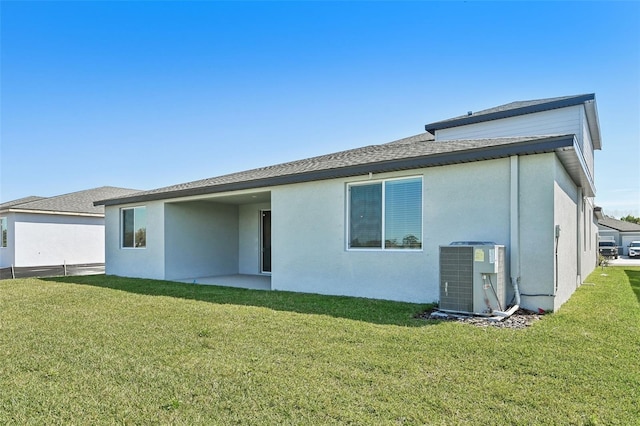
472	278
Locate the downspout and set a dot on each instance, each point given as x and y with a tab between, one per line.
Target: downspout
581	231
514	232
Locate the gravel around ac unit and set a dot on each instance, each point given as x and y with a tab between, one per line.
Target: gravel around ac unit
522	318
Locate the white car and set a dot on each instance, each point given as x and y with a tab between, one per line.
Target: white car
634	249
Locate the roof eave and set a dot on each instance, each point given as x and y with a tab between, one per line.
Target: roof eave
52	212
572	159
473	119
593	123
617	227
608	226
537	146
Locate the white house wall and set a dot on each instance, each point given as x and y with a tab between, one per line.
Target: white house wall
467	202
145	262
567	211
594	249
590	248
536	175
44	239
461	202
457	199
201	239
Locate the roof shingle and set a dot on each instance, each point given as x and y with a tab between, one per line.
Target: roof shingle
412	152
24	200
80	202
619	225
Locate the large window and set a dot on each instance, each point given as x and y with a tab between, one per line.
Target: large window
134	227
386	215
3	229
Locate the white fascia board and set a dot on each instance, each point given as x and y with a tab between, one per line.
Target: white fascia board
52	212
594	123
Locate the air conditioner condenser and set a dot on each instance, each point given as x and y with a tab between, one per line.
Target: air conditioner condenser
472	278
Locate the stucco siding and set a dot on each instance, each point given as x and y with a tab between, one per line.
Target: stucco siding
310	255
466	202
460	198
558	122
566	212
590	256
145	262
536	198
201	239
309	232
462	202
42	239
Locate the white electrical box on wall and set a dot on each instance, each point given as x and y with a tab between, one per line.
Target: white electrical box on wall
472	278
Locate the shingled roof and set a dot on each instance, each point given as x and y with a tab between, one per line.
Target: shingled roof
619	225
523	107
24	200
409	153
80	202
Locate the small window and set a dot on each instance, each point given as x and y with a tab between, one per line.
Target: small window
386	215
134	227
3	228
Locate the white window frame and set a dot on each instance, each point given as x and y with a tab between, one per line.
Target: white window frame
122	246
383	224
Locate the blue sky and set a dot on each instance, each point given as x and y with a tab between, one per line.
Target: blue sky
149	94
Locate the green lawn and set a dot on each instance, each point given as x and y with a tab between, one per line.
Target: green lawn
107	350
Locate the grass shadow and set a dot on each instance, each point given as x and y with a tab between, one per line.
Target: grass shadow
374	311
634	280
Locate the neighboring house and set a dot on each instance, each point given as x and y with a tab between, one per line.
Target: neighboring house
369	221
620	231
66	229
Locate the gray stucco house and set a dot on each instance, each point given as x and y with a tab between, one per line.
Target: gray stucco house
369	222
620	231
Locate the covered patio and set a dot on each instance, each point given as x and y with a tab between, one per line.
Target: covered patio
252	282
221	239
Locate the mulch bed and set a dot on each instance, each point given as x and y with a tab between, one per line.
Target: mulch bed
522	318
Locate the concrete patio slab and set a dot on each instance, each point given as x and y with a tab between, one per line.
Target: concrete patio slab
253	282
